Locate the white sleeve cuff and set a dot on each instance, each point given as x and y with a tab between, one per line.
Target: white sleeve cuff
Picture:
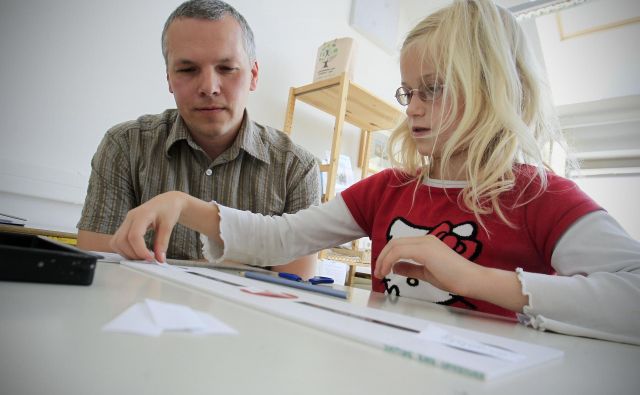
556	301
211	250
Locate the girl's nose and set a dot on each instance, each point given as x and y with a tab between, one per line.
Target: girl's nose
416	107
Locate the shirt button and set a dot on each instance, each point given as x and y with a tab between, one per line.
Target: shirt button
208	172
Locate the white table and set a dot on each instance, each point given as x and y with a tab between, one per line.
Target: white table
51	342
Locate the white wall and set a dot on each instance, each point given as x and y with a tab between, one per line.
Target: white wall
619	196
73	68
597	65
288	35
596	87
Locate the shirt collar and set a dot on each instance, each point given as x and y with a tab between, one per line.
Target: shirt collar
249	139
177	133
444	184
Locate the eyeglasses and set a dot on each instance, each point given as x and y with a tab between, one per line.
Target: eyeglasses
425	93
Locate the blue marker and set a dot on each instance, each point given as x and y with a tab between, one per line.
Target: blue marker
313	280
296	284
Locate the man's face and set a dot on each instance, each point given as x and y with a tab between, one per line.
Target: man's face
210	75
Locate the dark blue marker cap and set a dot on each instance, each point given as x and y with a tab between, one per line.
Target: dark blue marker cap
290	276
321	280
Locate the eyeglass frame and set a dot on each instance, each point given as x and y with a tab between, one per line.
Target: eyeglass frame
424	93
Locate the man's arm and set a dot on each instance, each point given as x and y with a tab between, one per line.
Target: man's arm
305	193
109	196
304	267
93	241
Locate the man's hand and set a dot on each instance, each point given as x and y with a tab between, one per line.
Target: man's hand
304	267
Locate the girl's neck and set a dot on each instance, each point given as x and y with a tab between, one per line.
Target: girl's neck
453	172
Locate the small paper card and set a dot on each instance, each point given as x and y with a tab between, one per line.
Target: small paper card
334	58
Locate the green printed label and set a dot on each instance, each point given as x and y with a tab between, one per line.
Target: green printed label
463	370
427	360
398	351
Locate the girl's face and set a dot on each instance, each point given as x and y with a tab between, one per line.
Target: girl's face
427	110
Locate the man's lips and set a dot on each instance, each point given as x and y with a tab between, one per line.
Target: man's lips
209	108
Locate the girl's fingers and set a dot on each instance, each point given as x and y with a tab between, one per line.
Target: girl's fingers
397	250
407	269
128	240
124	248
160	214
135	238
403	249
118	243
161	240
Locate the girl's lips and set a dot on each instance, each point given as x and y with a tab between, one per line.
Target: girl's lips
420	132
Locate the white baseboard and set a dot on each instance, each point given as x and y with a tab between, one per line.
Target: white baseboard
38	181
49	198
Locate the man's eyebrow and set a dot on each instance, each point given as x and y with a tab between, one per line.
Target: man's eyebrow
184	61
190	62
227	60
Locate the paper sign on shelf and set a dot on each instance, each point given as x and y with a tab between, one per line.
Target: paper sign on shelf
334	58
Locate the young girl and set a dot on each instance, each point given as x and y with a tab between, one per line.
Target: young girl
470	216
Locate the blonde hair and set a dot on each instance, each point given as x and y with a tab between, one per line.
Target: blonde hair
498	100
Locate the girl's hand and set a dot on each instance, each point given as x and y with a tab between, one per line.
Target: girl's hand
429	259
160	214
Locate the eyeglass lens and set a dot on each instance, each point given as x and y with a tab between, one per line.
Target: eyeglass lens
404	95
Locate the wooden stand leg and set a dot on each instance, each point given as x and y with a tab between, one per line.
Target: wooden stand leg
288	118
365	144
337	136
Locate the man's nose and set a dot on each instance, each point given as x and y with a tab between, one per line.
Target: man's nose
209	82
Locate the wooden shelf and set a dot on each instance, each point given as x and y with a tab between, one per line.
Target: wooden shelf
364	109
347	102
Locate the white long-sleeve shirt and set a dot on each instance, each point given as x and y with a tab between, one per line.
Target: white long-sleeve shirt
596	292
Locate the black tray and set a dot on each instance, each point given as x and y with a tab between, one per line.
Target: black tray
38	259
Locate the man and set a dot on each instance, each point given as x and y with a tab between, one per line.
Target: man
208	147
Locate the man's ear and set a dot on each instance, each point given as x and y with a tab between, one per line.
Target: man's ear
254	76
169	83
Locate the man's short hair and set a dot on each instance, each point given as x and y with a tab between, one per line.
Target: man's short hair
212	10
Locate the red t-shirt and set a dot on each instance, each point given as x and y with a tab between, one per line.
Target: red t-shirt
386	205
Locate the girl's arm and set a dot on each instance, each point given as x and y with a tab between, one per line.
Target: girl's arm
161	214
595	293
230	234
597	290
263	240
